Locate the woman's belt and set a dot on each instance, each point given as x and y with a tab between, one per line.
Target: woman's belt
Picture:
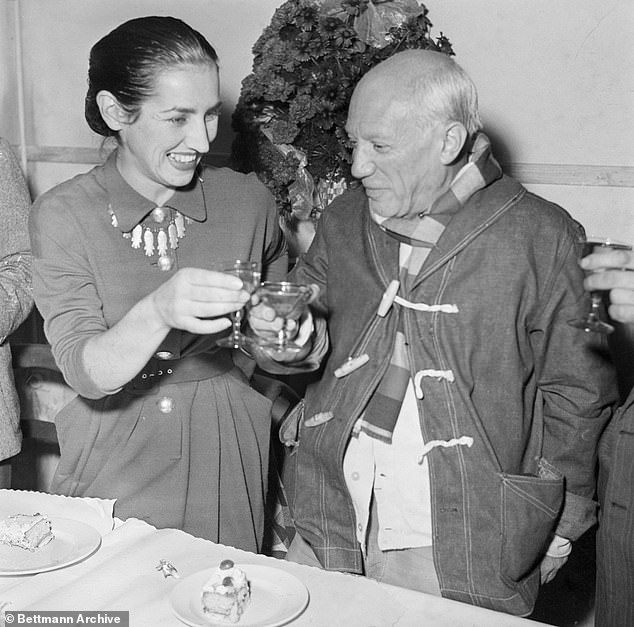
193	368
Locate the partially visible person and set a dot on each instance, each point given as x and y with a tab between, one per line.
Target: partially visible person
16	299
165	422
450	445
614	271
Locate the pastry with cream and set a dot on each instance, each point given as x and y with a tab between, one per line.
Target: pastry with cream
226	593
27	531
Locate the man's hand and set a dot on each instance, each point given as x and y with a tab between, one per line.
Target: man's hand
265	324
550	567
613	270
263	320
556	556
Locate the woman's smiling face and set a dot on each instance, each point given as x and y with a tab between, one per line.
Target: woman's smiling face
162	145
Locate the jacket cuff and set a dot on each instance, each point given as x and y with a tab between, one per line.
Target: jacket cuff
578	515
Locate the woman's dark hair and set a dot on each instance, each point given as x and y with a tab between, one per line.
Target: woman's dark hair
127	61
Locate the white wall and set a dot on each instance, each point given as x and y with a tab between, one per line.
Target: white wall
556	85
57	36
555	80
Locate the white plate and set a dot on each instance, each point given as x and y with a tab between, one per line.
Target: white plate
73	542
276	598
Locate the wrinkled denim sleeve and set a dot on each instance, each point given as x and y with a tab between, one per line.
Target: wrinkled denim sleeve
577	382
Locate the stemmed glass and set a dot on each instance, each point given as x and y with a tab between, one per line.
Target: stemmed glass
288	300
592	322
249	272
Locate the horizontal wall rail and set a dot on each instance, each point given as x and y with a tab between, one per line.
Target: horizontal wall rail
530	173
566	174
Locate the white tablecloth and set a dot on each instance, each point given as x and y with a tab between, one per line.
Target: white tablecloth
122	576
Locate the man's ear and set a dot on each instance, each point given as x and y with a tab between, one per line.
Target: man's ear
112	112
453	142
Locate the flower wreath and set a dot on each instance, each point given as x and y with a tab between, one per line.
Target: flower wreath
290	117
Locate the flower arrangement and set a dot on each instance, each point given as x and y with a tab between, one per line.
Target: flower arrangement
290	117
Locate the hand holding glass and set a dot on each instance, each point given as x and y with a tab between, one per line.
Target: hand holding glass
249	273
288	301
592	321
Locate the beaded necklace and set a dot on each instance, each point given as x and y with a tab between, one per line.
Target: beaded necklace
159	236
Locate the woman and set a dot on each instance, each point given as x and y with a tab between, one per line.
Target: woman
16	298
164	421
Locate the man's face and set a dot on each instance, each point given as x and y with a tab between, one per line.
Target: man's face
396	160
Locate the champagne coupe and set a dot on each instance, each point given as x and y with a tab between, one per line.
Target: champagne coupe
288	300
592	322
249	272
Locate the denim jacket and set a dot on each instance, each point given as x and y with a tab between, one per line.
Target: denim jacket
529	393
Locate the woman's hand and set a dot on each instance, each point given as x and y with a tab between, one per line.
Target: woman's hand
195	300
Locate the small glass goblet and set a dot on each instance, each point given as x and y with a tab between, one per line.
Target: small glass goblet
288	300
249	272
592	322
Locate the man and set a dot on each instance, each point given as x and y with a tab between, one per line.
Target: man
615	538
450	444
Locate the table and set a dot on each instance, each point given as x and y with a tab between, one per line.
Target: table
122	575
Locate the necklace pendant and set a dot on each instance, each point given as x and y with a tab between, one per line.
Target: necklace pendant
137	233
161	242
173	236
113	217
165	263
158	214
179	221
148	242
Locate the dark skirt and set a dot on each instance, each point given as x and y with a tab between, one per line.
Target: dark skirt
191	456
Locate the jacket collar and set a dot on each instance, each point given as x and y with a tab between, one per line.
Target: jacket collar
480	171
482	210
131	207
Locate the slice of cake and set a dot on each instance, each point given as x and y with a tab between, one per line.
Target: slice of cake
226	593
27	531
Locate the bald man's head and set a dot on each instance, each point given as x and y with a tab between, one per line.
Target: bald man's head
431	84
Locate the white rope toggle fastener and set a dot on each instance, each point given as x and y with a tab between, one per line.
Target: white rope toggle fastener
435	374
353	363
465	440
319	419
388	298
424	307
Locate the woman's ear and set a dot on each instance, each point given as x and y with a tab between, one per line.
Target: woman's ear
112	112
453	143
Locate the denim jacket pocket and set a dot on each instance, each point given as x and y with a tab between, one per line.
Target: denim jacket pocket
530	506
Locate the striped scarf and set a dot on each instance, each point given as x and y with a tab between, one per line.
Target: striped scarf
418	237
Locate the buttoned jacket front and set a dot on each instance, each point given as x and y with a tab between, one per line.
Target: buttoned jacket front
532	393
